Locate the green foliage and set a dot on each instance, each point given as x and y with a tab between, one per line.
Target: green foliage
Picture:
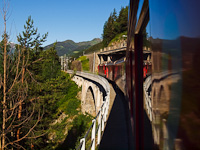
94	48
122	20
117	38
29	37
49	66
45	87
18	84
146	42
55	92
115	25
69	102
79	127
59	95
82	58
85	63
109	30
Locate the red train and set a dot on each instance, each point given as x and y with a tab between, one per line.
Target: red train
171	30
114	70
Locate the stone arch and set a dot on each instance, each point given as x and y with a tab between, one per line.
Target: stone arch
155	96
163	99
94	92
89	101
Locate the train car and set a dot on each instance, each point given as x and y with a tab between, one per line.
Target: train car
161	83
115	70
169	95
119	74
119	67
102	70
109	70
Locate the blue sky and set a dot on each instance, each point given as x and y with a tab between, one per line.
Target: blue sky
78	20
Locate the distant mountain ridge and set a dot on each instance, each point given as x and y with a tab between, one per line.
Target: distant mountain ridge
69	46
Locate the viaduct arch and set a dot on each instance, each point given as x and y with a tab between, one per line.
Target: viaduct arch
92	95
157	89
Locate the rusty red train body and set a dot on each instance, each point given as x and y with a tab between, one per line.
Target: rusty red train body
114	70
164	87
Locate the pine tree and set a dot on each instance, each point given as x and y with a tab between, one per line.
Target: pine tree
30	39
110	28
115	25
123	20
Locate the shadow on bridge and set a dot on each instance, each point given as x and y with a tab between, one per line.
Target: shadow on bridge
117	134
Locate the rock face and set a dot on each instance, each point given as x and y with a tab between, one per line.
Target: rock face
52	135
60	119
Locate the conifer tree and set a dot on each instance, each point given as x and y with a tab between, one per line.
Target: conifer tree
122	19
20	113
115	25
30	39
109	30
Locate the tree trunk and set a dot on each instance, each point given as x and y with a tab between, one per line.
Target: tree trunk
4	85
20	104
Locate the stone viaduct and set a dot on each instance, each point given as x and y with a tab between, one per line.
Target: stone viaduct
95	89
158	96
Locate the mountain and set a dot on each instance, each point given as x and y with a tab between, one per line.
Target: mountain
89	50
69	47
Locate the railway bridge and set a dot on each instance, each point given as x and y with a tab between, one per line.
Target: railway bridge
95	90
112	53
106	103
111	123
95	100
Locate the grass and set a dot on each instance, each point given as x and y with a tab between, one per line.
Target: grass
117	38
85	63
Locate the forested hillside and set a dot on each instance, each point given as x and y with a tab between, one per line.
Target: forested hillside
91	49
69	47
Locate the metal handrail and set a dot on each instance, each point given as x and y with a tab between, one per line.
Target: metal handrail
98	112
100	125
80	145
91	144
97	130
147	84
88	131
